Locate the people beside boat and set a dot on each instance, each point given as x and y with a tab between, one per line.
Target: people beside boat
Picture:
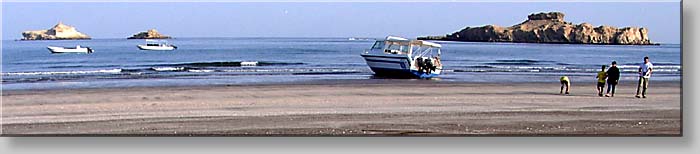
645	70
419	64
564	80
437	61
601	81
613	74
428	65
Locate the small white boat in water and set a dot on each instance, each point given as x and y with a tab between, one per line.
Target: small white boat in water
76	49
249	63
402	58
156	45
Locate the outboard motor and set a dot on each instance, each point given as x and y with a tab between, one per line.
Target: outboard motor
89	50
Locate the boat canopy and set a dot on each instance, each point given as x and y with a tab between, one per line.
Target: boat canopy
398	45
396	38
426	43
404	41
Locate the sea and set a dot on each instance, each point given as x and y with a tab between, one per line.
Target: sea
28	65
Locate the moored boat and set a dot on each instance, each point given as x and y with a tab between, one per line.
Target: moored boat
76	49
398	57
156	45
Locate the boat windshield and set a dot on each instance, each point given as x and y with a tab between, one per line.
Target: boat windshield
397	48
378	45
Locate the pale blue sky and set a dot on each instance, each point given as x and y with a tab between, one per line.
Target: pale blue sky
120	20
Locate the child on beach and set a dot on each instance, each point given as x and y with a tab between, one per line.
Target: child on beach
613	78
564	80
601	81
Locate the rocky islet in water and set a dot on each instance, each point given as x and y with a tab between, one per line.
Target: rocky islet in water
538	28
550	28
150	34
58	32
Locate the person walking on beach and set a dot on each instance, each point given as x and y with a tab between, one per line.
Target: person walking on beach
613	74
564	80
601	81
644	74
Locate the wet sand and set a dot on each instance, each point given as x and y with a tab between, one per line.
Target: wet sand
345	108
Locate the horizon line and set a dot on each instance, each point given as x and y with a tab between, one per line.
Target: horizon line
286	37
344	1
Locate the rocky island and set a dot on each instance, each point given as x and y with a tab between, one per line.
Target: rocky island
58	32
550	28
150	34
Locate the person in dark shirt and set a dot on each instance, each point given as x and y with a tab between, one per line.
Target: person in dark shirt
613	74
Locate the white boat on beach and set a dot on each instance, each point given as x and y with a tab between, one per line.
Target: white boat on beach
76	49
402	58
156	45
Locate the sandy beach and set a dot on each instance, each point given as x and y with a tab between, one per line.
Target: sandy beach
345	108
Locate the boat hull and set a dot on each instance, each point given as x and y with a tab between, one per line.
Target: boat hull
395	66
401	73
66	50
158	48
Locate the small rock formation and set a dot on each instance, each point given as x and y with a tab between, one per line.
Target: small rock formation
550	28
150	34
59	32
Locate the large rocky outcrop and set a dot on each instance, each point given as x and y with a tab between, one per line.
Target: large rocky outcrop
58	32
550	28
150	34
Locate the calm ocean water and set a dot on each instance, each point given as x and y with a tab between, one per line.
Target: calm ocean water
214	61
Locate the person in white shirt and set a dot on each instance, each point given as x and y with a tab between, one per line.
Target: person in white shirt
644	74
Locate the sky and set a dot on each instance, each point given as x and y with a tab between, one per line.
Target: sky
314	19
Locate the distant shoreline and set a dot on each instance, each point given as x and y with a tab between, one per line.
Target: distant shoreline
366	39
651	44
197	37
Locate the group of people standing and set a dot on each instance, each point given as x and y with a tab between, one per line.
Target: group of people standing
612	78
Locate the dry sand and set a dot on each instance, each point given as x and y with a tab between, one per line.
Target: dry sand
345	108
